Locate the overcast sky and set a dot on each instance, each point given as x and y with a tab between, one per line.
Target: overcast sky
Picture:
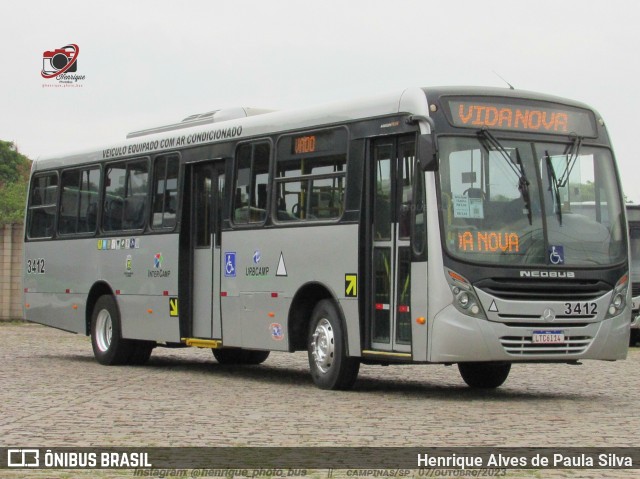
154	62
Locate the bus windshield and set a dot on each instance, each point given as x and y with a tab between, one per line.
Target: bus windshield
530	203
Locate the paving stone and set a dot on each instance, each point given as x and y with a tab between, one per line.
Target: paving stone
53	393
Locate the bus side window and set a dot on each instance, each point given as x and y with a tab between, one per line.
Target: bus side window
125	196
78	201
310	184
42	205
68	214
165	192
88	208
251	180
114	197
136	200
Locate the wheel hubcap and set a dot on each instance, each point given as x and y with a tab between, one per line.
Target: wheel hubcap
104	330
323	345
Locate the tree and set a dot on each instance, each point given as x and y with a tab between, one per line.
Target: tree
12	202
14	166
14	177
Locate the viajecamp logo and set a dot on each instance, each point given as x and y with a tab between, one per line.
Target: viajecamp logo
61	64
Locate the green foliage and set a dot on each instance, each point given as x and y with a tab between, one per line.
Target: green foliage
13	197
14	166
14	178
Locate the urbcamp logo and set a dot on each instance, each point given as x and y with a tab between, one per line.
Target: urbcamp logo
61	64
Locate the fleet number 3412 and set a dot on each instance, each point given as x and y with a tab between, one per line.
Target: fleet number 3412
35	266
582	309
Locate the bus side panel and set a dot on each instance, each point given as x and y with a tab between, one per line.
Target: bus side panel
143	272
57	278
139	270
270	266
62	311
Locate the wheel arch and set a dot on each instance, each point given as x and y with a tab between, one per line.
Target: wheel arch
100	288
302	305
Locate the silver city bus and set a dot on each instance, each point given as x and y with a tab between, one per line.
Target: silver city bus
435	225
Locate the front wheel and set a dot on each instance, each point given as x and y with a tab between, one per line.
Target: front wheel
484	375
331	367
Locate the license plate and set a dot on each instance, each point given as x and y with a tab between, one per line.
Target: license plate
548	337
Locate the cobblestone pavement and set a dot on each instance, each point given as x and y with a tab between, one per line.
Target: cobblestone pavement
53	393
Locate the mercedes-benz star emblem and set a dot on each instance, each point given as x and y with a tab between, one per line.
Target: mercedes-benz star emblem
548	315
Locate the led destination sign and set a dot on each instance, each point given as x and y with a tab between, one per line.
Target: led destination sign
314	143
539	117
488	242
304	144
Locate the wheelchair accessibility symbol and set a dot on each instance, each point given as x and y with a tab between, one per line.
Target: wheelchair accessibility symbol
230	264
556	254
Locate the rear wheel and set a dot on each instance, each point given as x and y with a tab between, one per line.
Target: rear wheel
140	352
109	348
331	367
240	356
484	375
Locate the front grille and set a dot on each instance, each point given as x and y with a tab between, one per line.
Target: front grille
553	325
523	345
516	289
635	289
558	316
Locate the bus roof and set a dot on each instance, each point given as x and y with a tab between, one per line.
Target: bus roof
410	100
202	129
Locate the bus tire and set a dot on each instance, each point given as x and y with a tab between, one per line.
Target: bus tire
484	375
331	367
109	347
232	356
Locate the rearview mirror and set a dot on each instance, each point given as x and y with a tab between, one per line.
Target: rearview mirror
428	152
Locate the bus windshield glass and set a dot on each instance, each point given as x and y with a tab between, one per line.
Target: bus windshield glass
530	203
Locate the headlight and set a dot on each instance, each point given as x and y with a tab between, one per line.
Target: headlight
619	296
464	298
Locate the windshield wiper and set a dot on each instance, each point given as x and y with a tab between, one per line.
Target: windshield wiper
572	153
490	142
554	185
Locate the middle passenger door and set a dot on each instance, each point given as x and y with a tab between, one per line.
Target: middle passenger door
393	161
206	221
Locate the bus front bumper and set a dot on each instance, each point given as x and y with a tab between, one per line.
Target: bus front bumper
459	338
